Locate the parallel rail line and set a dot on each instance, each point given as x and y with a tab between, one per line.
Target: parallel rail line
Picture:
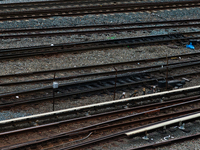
183	21
180	37
183	64
18	74
118	8
106	125
88	46
149	107
104	104
120	134
93	87
54	3
96	30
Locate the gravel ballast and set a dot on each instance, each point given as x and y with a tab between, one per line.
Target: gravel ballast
110	55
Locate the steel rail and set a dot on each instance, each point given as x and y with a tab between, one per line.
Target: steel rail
149	107
40	141
126	41
88	46
184	21
121	133
118	8
95	31
94	90
106	124
17	74
80	131
101	105
57	33
197	62
52	3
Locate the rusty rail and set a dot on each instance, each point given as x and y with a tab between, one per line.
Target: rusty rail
99	66
95	29
88	46
100	74
149	106
53	3
120	134
96	127
118	8
93	90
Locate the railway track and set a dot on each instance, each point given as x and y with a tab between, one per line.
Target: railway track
112	137
95	28
88	46
117	125
83	126
78	89
78	69
77	11
116	112
116	104
56	3
102	74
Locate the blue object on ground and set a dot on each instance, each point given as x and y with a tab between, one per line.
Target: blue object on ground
190	46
